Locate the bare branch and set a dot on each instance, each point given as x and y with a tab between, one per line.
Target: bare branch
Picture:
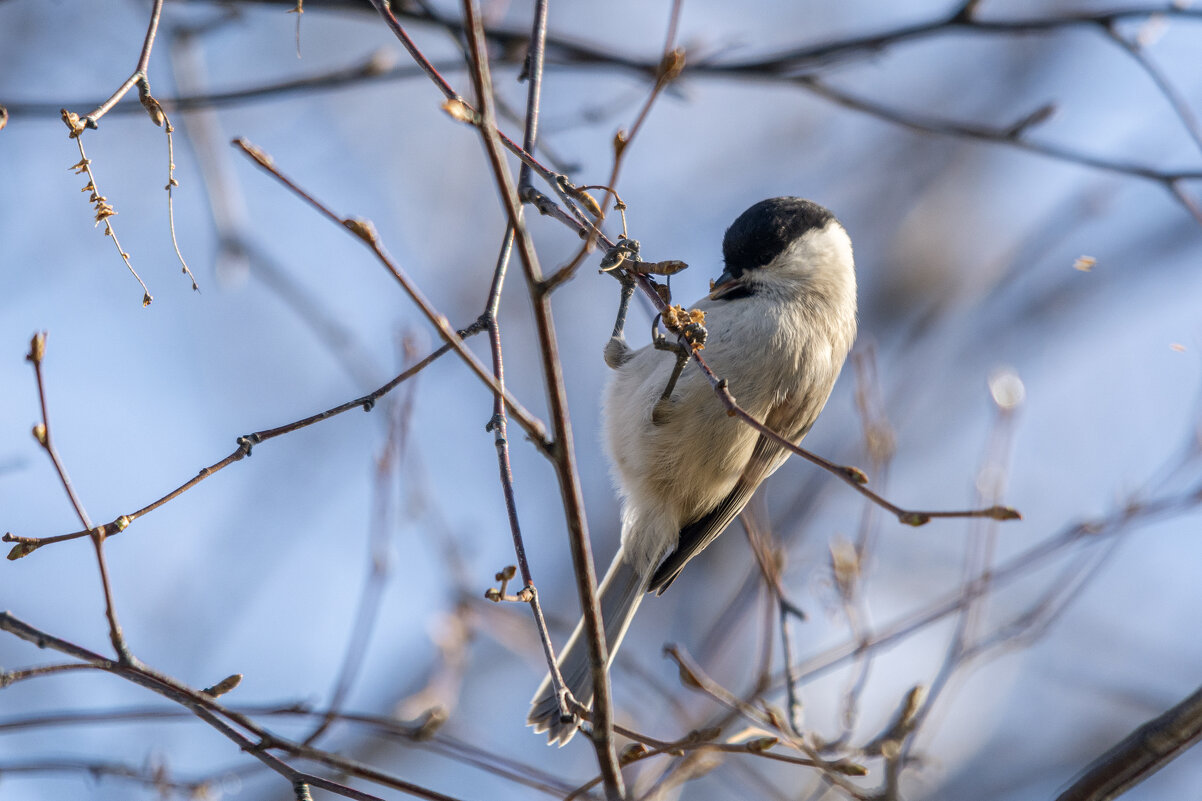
1140	754
27	545
563	457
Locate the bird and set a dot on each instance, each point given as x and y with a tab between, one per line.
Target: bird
779	322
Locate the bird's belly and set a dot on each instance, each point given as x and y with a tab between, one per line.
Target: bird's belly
687	461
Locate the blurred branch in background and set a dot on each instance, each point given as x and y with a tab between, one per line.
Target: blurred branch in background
801	67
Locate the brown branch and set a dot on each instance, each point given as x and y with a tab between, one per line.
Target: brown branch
563	455
27	545
499	424
671	64
415	732
1013	136
41	432
10	677
365	231
1140	754
224	720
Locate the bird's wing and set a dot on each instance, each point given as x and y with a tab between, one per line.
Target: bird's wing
696	535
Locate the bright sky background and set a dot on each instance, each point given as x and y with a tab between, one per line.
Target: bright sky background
965	254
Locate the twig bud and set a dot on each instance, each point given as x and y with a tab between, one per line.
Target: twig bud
670	67
362	229
224	686
151	105
71	119
632	753
461	111
37	348
761	744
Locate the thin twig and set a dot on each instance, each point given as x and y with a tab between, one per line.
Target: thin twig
669	69
365	231
499	424
10	677
151	776
27	545
41	432
225	720
171	184
378	568
563	456
104	211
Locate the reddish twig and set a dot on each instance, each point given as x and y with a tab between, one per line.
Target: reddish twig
41	432
563	455
256	741
366	233
27	545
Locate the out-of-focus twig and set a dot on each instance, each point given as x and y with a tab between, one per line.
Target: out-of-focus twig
1140	754
400	410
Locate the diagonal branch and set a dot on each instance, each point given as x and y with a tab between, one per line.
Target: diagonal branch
1140	754
366	233
27	545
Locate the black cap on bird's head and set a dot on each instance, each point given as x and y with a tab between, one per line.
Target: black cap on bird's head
762	233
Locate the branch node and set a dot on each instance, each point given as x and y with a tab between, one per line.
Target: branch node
37	348
224	686
1003	513
362	228
246	443
915	519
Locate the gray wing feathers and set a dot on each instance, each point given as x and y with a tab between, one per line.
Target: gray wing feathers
696	536
620	593
765	458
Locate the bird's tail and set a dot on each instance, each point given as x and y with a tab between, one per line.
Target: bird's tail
620	593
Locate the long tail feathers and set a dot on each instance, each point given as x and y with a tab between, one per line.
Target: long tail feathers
620	593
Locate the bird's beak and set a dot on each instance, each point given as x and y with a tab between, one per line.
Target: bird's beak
725	285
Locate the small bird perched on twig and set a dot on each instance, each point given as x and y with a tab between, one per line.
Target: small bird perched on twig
779	322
